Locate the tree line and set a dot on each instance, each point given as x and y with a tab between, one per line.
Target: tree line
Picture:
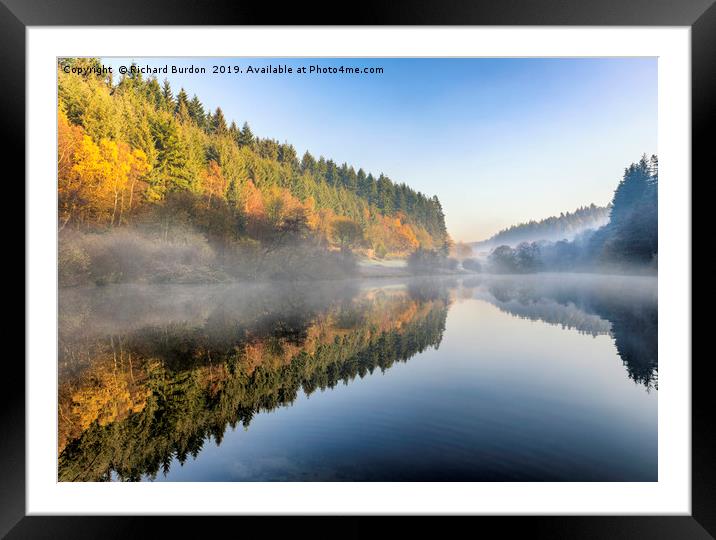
132	153
564	226
627	242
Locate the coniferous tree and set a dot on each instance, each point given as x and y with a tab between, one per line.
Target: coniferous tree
218	123
196	111
308	163
182	112
187	156
170	172
168	96
246	137
633	225
181	101
208	122
154	92
233	131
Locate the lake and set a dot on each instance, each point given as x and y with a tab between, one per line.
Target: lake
546	377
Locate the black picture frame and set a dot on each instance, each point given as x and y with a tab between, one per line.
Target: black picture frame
700	15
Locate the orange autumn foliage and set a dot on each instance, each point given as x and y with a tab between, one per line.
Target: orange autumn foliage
96	182
213	181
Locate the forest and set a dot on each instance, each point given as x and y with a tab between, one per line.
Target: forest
151	186
154	188
627	243
565	226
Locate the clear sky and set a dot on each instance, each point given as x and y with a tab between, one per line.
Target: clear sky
499	141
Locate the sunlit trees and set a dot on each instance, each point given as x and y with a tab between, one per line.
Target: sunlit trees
213	182
126	147
182	102
70	189
116	159
393	234
91	172
218	123
168	97
139	167
245	137
96	182
196	111
170	172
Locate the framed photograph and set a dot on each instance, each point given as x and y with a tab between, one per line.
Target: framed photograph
434	263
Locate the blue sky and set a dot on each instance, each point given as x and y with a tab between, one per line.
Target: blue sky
499	141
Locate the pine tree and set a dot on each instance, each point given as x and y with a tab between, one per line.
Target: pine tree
146	116
182	101
246	137
308	163
208	122
636	179
287	154
182	113
170	172
196	111
154	92
168	96
218	123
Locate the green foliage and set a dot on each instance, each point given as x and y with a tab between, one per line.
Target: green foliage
218	123
170	171
195	381
183	146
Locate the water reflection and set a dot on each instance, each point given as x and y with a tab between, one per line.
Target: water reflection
150	375
623	307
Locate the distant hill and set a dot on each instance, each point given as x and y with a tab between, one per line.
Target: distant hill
554	228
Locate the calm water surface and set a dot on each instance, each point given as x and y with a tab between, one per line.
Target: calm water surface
530	378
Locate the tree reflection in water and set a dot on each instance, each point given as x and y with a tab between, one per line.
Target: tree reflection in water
149	374
139	386
623	307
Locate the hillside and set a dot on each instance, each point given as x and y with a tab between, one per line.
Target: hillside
627	243
134	156
563	227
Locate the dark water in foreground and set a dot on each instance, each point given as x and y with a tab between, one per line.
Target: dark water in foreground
531	378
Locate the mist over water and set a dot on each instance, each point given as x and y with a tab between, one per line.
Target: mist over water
542	377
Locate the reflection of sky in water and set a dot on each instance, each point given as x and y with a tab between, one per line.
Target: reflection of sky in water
502	398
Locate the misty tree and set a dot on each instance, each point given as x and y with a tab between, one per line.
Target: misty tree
472	265
347	232
567	224
634	216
